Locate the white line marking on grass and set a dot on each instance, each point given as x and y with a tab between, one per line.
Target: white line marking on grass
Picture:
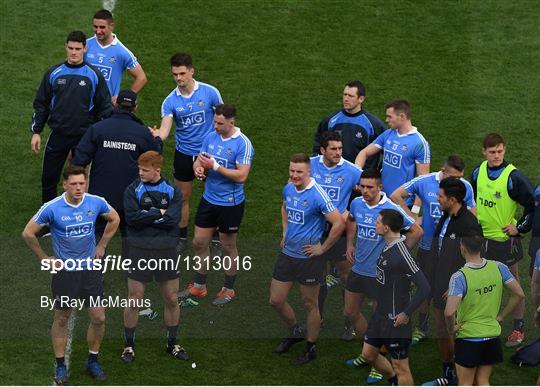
71	328
109	4
67	353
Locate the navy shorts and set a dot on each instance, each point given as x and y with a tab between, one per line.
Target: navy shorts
153	264
226	218
508	252
381	332
306	271
73	285
357	283
471	354
183	166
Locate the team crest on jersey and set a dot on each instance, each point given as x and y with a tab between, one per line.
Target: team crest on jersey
112	59
228	151
82	83
200	103
404	148
305	203
497	195
452	236
89	214
340	179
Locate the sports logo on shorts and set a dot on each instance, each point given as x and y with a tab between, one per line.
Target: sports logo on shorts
193	119
82	83
333	192
392	159
79	230
380	276
295	216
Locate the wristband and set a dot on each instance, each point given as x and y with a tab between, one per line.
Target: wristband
415	209
216	165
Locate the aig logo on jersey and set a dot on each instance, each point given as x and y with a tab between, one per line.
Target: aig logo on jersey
367	232
435	210
295	216
79	230
333	192
392	159
192	119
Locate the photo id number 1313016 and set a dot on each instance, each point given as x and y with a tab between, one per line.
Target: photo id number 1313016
217	263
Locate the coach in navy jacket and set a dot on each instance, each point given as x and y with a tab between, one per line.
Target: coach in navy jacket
113	147
72	96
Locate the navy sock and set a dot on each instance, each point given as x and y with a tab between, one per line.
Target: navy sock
200	278
310	347
519	324
215	236
171	335
393	381
60	361
92	357
183	232
129	337
229	281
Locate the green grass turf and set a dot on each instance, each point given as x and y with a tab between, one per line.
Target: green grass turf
467	67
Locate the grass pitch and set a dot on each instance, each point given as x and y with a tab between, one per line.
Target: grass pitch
467	67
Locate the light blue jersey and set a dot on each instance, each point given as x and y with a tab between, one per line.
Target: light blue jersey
72	227
537	260
338	181
427	189
228	152
112	60
458	284
193	116
369	245
305	217
401	153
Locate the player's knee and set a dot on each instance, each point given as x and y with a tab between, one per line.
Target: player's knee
310	304
61	320
276	301
200	243
401	368
171	299
350	313
98	319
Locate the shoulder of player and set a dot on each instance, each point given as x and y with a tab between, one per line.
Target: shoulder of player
95	198
171	95
347	164
207	86
373	118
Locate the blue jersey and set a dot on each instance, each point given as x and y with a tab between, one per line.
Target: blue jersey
427	189
338	181
112	60
305	217
401	153
369	245
193	115
228	152
537	261
458	284
72	227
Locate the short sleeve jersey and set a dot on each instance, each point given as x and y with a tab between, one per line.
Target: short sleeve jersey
427	189
458	284
112	60
369	245
401	153
228	152
338	181
305	217
193	115
72	226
